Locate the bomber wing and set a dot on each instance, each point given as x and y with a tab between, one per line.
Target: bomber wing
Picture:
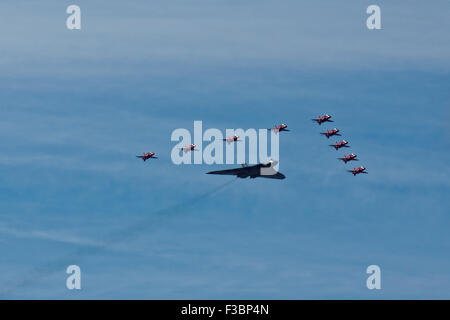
227	172
277	175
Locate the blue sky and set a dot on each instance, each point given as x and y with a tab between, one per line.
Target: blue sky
77	106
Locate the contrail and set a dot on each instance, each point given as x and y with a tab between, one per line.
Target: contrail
46	270
36	234
134	229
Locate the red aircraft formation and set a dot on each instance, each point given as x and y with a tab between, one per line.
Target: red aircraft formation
283	127
340	144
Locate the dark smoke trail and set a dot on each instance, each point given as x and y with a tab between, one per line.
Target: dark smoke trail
115	237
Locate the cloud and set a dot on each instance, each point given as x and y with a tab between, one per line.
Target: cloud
167	36
52	236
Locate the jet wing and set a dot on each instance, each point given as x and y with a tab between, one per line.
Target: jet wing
258	170
227	172
277	175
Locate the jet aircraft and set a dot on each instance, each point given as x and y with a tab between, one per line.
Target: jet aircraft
188	148
263	170
325	118
231	139
359	170
330	133
350	157
146	156
281	127
340	144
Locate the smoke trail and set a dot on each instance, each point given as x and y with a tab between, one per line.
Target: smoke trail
120	235
133	230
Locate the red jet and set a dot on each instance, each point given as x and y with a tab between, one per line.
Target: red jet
281	127
333	132
325	118
340	144
148	155
359	170
348	158
232	139
188	148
